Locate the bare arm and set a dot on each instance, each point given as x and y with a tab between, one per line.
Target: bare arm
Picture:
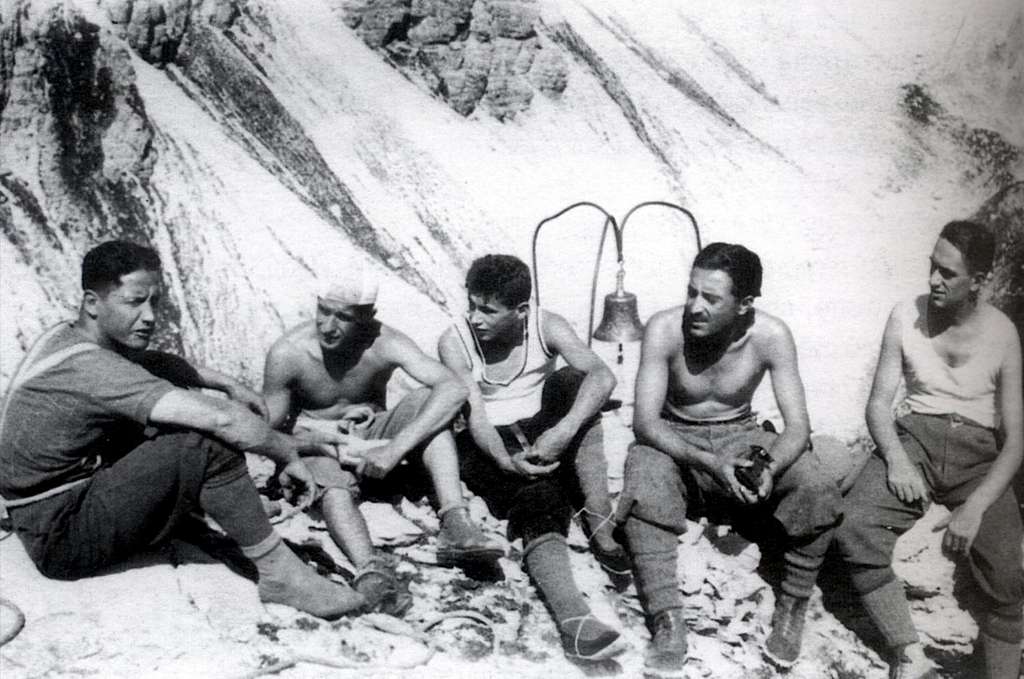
228	421
598	384
660	341
447	393
965	521
789	396
235	390
480	428
902	476
277	379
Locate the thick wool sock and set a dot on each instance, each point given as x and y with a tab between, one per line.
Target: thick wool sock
285	579
236	506
547	562
802	563
888	609
655	555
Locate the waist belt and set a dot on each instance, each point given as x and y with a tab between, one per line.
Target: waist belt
31	367
672	417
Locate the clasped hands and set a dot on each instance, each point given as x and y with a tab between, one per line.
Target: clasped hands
724	473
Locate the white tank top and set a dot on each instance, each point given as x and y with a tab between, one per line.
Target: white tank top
508	401
936	388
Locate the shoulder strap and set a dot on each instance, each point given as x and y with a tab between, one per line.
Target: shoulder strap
32	366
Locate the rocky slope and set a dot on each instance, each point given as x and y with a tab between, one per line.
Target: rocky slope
259	145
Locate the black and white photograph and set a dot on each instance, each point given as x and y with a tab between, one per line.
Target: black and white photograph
467	339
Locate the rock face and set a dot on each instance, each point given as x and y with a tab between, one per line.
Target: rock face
1004	213
470	53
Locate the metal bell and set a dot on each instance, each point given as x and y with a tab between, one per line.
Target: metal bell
620	322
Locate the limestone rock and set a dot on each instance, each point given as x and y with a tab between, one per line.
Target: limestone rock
1004	213
467	52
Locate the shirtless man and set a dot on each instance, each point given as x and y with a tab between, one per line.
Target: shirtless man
960	446
699	367
336	369
533	438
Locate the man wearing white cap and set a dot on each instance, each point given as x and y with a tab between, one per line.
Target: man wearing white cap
335	371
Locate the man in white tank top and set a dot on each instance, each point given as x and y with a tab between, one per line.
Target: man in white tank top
533	437
960	446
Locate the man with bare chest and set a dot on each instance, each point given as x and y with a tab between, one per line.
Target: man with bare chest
960	445
696	451
326	380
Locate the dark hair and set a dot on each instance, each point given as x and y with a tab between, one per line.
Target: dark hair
502	277
976	244
104	265
742	265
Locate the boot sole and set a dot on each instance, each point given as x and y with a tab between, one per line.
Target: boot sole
651	673
462	557
610	651
781	663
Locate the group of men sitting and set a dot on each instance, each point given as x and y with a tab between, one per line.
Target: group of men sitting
106	446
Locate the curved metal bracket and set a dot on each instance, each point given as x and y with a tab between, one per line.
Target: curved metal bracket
618	229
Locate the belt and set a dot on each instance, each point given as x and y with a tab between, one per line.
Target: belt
21	502
672	417
956	419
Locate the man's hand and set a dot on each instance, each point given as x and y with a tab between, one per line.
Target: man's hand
724	473
378	461
357	418
525	463
961	528
904	479
297	482
550	445
249	398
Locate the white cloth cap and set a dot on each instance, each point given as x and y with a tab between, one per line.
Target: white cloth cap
354	285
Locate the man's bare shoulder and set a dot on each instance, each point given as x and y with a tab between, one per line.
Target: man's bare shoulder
666	320
998	326
294	345
769	330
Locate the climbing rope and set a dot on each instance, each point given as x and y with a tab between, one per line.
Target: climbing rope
390	625
19	621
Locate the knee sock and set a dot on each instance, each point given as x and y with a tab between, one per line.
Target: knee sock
655	555
801	565
888	609
547	562
236	506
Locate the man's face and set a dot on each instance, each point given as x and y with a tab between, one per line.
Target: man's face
711	306
491	320
126	314
949	282
336	321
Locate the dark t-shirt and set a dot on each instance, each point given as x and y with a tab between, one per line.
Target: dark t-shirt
94	404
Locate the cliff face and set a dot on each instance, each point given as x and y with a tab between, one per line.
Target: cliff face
259	146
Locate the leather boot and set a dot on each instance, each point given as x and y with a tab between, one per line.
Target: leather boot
461	542
666	653
285	579
783	644
910	662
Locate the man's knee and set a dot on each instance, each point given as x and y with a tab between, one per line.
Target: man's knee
653	489
538	509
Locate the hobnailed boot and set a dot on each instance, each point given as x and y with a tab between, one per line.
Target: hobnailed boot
666	653
910	662
589	639
384	592
782	647
461	542
285	579
999	659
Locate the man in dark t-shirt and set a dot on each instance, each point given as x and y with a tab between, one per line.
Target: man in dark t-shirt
104	449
